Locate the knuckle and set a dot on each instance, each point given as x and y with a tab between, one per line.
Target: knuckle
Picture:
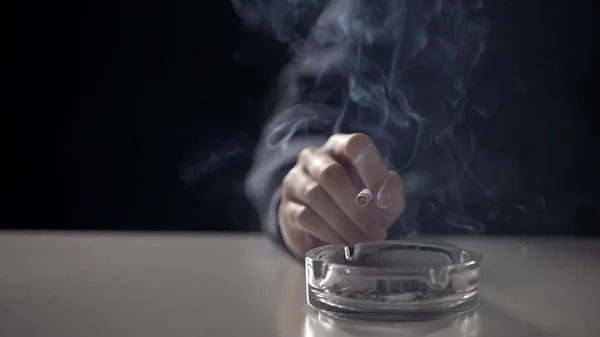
356	143
288	183
288	214
290	177
337	141
306	154
286	191
329	172
283	214
303	216
313	191
359	137
334	139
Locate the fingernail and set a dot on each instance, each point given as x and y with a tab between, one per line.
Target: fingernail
384	202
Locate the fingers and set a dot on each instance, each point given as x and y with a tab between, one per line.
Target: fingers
300	187
319	194
298	241
335	181
302	218
359	152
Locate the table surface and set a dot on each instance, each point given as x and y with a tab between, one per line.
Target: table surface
77	284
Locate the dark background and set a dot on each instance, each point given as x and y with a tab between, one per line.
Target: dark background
117	98
120	96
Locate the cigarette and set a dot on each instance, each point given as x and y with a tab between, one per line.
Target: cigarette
364	197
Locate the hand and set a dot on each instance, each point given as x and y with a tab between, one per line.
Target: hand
318	204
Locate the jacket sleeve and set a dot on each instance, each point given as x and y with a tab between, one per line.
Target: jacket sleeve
307	103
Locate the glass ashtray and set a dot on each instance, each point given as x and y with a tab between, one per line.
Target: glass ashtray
393	280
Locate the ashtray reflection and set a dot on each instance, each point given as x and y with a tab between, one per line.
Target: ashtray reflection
317	324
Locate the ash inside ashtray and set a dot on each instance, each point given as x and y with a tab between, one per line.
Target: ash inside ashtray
382	288
393	279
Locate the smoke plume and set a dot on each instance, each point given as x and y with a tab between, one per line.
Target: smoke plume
397	70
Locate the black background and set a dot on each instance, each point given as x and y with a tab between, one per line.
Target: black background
118	96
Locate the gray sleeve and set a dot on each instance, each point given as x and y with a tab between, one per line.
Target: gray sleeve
263	183
306	105
289	131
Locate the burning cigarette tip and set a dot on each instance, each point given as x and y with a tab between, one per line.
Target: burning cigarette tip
364	197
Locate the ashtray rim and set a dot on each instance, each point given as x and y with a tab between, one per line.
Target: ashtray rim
312	255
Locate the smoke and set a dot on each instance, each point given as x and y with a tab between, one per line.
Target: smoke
211	158
402	62
397	70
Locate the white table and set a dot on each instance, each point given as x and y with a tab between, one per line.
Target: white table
155	285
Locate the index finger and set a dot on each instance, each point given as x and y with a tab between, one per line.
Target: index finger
360	152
